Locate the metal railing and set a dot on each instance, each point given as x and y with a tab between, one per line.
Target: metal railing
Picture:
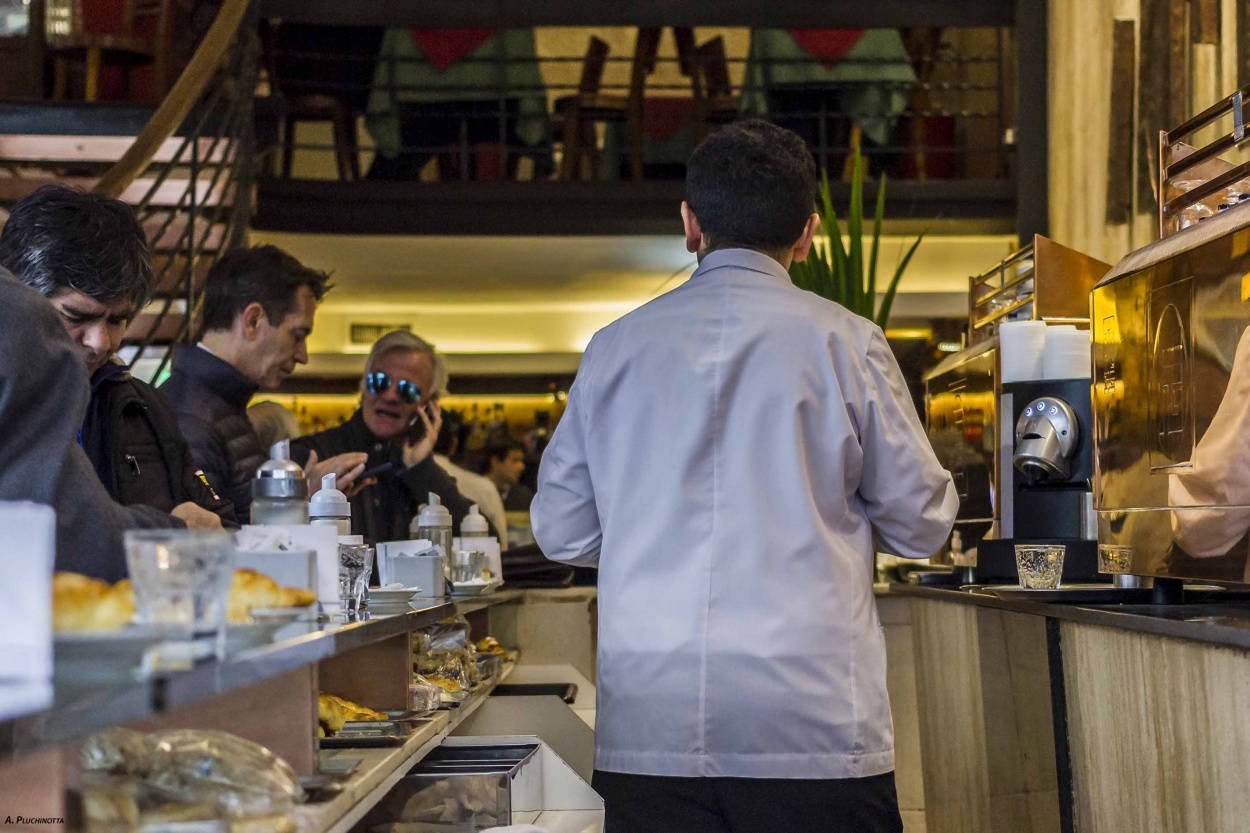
939	114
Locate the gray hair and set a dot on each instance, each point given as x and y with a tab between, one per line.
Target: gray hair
404	340
272	422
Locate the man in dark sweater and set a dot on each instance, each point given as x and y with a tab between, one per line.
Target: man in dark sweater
396	425
87	254
259	306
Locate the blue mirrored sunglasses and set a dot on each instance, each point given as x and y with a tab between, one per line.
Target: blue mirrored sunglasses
377	382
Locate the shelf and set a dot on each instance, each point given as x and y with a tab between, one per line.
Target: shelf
80	708
381	769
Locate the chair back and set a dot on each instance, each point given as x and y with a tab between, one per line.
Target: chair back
592	67
715	68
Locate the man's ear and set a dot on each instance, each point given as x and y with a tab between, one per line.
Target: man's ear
251	318
694	234
804	245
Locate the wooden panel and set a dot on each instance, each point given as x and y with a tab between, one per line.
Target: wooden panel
900	683
1120	146
1152	97
376	675
279	713
99	149
986	728
33	787
1178	63
952	729
1243	44
1158	732
1204	20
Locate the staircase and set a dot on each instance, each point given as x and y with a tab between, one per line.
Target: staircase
186	166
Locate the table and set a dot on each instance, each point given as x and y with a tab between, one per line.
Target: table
503	72
867	83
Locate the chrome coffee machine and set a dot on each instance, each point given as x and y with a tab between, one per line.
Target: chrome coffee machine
1048	497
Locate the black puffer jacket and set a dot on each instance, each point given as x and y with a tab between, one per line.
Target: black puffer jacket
383	512
210	398
131	437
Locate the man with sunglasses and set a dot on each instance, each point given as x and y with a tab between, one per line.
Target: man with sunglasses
258	311
397	425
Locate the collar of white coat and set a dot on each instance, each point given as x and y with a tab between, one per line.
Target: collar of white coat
741	259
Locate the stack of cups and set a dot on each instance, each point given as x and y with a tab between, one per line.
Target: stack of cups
1067	354
1022	347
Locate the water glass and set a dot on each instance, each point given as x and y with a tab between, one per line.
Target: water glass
1040	565
1114	559
355	567
467	565
181	576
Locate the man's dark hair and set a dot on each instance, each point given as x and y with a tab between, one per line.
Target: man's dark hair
61	239
752	185
500	449
265	275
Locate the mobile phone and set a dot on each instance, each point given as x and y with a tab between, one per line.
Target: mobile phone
376	471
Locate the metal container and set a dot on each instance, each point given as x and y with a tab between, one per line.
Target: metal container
961	405
454	788
1171	334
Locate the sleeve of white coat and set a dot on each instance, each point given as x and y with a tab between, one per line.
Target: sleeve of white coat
910	499
563	515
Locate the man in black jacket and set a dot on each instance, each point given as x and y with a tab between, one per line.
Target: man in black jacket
258	311
87	254
396	425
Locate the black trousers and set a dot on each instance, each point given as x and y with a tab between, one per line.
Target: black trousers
655	804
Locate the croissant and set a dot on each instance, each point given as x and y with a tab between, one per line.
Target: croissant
82	603
250	589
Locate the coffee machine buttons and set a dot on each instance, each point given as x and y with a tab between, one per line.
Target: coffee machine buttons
1046	437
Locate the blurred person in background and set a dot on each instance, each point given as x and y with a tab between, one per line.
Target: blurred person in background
396	427
476	488
272	422
505	460
258	311
88	255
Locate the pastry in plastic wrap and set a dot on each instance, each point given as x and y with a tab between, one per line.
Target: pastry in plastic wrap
490	645
250	590
115	750
82	603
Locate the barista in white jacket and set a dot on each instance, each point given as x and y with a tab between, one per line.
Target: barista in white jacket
731	455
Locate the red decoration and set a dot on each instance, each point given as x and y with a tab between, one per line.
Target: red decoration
444	47
827	45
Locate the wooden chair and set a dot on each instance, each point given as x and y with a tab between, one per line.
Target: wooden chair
331	87
69	41
576	115
719	105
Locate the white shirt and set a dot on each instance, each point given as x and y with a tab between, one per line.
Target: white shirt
730	454
479	490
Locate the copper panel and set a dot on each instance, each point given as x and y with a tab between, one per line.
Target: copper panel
1063	281
1171	335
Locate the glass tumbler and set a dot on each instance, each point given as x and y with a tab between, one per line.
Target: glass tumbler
1040	565
1114	559
181	576
355	567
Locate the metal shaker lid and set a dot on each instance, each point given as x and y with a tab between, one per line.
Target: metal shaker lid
280	476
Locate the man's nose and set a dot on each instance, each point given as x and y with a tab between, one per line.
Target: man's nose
301	353
96	338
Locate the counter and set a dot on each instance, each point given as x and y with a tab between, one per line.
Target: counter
1093	718
267	694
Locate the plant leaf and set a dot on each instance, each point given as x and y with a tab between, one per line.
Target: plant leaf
883	315
878	217
855	231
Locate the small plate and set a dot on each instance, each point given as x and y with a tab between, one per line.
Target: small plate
399	597
283	614
468	590
246	635
115	646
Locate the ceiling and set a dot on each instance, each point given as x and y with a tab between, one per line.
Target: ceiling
497	304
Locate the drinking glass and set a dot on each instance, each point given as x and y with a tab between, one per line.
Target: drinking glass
181	576
1040	565
355	566
1114	559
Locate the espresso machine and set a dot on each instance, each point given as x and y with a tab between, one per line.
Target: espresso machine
1020	452
1048	492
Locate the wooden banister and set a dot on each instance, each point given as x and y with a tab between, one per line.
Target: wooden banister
190	85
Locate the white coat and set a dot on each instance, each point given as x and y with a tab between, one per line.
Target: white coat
731	454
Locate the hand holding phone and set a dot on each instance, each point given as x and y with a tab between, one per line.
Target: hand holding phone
420	445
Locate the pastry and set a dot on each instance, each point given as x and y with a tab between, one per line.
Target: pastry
82	603
448	685
353	711
250	590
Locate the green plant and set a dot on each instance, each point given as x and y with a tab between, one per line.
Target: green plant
838	272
